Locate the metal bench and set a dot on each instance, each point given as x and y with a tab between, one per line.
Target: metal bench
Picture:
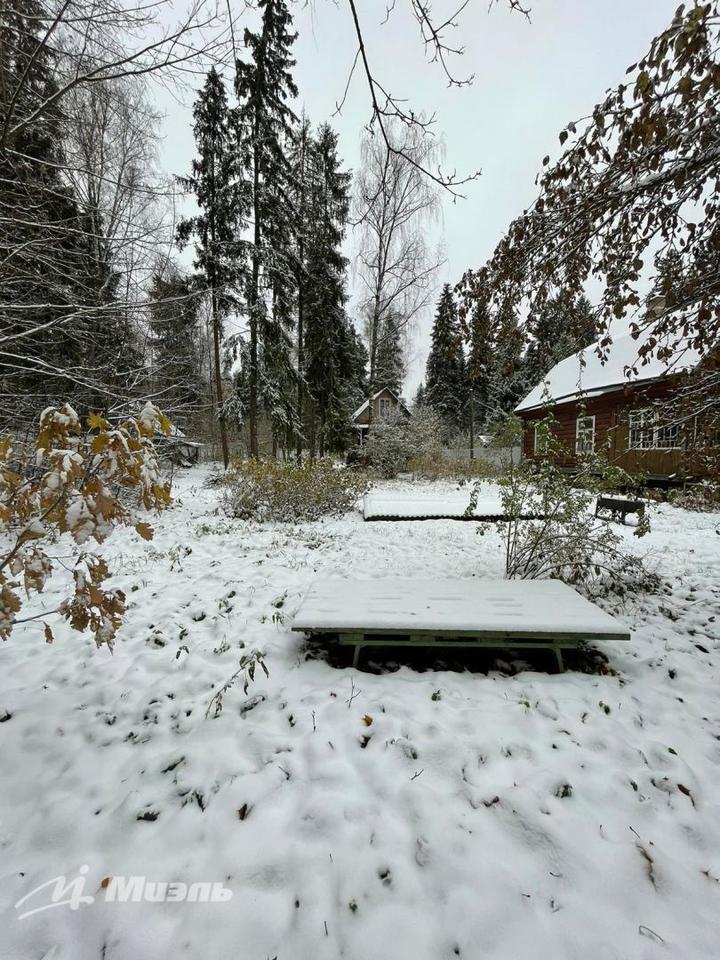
620	507
513	614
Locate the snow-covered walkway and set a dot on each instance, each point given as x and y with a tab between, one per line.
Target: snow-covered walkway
412	815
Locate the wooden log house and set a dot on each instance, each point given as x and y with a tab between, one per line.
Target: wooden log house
622	408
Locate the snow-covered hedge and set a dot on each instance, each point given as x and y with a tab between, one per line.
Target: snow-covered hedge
290	492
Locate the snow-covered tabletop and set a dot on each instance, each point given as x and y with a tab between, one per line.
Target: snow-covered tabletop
515	607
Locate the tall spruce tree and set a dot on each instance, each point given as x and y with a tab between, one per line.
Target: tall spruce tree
214	183
508	381
329	347
265	130
389	357
302	160
174	343
480	362
445	381
560	327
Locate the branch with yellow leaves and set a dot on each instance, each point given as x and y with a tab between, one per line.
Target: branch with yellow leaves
71	484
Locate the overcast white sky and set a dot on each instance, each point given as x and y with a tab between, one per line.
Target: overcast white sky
531	78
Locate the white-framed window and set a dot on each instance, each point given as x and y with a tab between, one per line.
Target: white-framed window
584	435
539	440
642	428
385	407
668	438
647	434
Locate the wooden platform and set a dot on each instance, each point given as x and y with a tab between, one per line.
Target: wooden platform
522	614
453	505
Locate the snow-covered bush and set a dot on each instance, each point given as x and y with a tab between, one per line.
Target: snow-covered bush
564	539
290	492
401	443
84	481
700	497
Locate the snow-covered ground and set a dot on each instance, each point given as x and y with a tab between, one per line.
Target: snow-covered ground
410	814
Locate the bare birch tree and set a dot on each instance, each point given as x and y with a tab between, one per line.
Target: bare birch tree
394	202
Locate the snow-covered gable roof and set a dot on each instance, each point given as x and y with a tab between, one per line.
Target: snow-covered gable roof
570	379
363	406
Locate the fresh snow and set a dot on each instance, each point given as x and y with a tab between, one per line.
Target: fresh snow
585	373
513	814
468	605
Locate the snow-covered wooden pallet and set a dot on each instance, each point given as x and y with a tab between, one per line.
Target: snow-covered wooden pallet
529	614
385	505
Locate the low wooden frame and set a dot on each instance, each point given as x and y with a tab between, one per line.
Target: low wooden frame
488	640
461	614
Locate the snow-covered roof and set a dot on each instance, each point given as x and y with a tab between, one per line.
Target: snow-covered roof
363	406
585	374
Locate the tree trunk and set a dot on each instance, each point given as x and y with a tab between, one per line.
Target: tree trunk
312	431
472	424
301	305
322	435
301	364
373	362
218	381
254	311
216	327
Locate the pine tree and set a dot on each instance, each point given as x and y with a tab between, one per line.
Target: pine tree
420	400
389	358
445	381
265	130
213	181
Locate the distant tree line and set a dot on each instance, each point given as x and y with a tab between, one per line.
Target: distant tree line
84	211
480	367
95	308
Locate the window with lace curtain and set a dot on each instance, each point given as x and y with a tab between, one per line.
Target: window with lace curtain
647	434
584	435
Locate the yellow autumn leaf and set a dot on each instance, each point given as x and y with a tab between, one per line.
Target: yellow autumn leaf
96	422
100	442
165	424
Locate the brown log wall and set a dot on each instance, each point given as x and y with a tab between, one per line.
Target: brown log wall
611	411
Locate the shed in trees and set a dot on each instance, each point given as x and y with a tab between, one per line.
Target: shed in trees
385	404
